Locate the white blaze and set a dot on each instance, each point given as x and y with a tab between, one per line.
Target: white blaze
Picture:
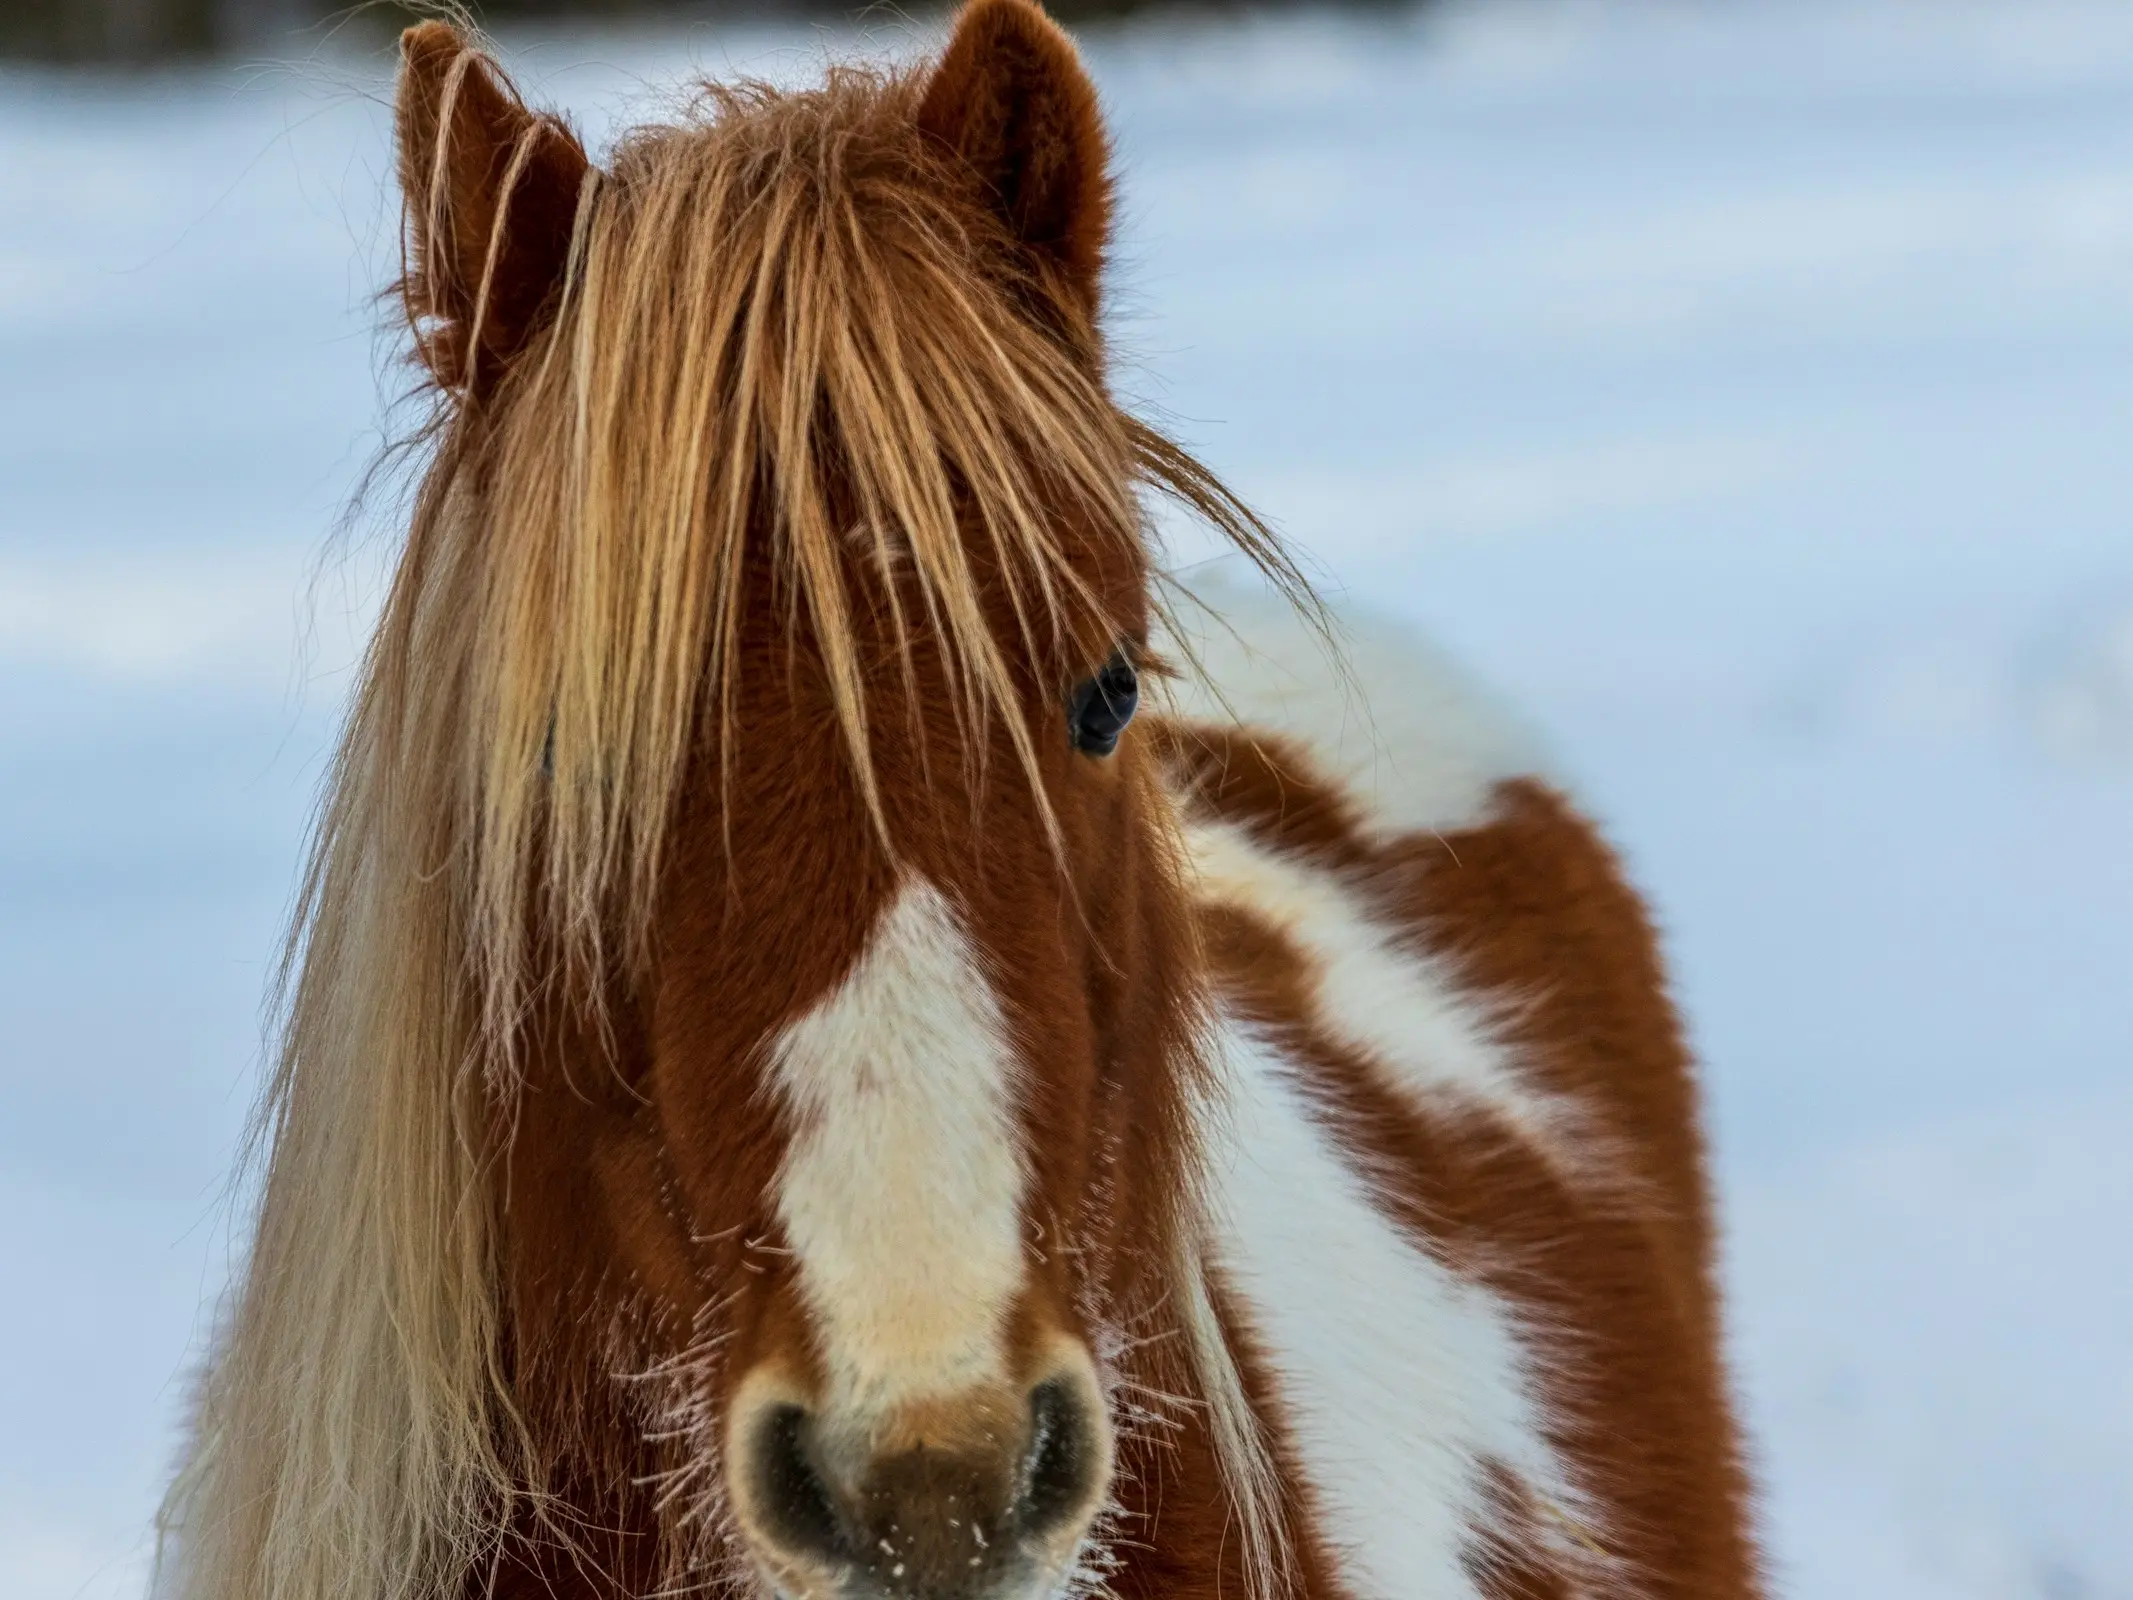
902	1186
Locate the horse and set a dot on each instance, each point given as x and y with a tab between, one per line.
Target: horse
793	1082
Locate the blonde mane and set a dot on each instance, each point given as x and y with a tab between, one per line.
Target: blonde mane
778	325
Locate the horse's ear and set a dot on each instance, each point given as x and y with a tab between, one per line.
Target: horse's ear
1010	97
491	191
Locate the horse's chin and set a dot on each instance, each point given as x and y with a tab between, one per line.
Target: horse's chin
1038	1581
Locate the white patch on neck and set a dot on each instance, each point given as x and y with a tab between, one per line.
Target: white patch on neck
1393	1005
1398	1381
901	1191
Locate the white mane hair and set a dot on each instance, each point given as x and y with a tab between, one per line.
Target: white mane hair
1385	713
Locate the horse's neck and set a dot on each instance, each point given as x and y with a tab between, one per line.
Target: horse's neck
1316	803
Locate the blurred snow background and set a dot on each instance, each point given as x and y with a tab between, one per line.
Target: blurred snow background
1745	388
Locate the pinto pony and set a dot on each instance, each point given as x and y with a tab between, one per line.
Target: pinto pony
790	1090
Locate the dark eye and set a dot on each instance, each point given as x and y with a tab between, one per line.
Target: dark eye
1099	709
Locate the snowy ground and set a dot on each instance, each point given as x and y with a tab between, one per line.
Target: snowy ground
1744	387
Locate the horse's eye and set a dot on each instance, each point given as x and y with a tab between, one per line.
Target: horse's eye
1099	709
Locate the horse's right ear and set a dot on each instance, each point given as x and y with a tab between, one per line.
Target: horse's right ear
491	191
1011	99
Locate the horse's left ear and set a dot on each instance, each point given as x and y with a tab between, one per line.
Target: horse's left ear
1010	97
491	190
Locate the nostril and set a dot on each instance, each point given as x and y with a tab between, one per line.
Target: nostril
1060	1466
797	1508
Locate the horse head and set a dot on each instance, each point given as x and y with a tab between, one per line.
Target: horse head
786	545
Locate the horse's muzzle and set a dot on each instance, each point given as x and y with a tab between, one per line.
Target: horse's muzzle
993	1509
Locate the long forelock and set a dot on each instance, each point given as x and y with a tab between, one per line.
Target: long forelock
786	330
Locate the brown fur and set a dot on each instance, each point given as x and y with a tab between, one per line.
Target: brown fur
778	502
